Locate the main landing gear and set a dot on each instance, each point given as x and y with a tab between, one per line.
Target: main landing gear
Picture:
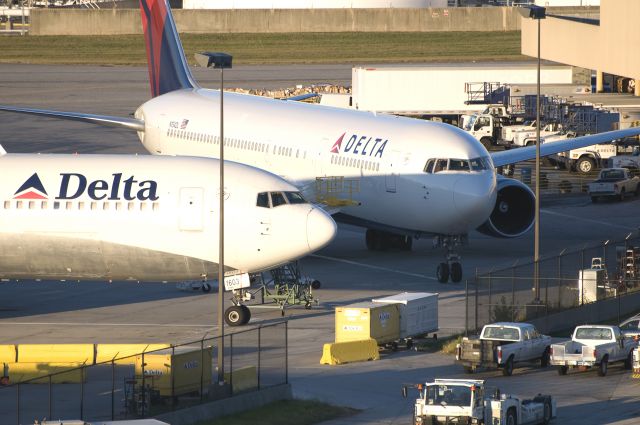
377	240
451	267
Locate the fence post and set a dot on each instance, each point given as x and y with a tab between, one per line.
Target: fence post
286	352
513	294
142	390
82	392
490	294
201	373
231	363
50	397
113	389
476	306
18	404
466	307
259	352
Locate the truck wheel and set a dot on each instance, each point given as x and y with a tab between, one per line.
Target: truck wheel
206	288
486	142
622	194
602	369
507	370
562	370
512	419
585	165
628	362
442	272
546	414
530	143
544	360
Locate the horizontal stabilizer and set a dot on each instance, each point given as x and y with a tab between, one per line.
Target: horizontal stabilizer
104	120
524	154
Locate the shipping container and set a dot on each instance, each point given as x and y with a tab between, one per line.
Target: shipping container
169	373
366	320
418	312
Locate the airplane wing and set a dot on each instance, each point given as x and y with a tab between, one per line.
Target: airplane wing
301	97
522	154
104	120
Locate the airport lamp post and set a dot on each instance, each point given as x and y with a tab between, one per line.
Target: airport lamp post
219	61
538	13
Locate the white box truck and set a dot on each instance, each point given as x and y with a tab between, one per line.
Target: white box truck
418	313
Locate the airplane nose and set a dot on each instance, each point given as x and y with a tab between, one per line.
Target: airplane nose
321	229
474	198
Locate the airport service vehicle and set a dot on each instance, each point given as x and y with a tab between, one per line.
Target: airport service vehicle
631	162
614	182
387	171
509	132
636	362
504	345
593	346
528	137
467	401
145	218
588	158
630	328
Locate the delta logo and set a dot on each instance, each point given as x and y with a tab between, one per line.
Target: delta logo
360	145
75	185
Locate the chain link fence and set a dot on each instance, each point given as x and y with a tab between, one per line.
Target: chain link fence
591	277
153	382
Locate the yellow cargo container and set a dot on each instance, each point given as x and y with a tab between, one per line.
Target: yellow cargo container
60	353
175	374
125	352
366	320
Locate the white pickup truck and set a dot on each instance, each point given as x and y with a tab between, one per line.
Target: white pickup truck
503	345
528	137
467	401
614	182
593	346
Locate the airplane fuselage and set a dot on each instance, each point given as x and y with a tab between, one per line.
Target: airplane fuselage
96	217
385	155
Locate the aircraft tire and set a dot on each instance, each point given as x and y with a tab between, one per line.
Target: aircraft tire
442	272
247	314
456	272
235	315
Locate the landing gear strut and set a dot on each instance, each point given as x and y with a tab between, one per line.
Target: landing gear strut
451	267
378	240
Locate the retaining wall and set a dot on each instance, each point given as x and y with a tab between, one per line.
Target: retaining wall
127	21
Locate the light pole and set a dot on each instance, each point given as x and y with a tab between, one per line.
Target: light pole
537	13
219	61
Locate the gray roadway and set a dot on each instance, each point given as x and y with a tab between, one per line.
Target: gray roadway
58	312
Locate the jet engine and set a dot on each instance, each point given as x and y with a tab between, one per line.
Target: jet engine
514	212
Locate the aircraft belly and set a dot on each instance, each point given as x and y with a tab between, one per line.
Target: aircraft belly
53	257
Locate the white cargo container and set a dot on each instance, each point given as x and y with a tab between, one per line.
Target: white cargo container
439	89
418	312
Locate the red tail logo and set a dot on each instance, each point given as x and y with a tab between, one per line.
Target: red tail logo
337	144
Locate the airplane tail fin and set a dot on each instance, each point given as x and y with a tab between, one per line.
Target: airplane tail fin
168	68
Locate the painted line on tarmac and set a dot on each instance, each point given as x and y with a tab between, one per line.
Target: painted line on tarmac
588	220
355	263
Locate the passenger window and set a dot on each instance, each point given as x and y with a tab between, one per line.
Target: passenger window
277	199
7	205
263	200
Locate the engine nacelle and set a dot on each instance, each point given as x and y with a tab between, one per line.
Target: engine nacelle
514	212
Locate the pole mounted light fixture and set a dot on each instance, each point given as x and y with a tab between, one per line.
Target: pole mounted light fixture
218	60
538	13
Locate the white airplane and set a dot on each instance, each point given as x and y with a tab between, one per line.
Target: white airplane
413	178
146	218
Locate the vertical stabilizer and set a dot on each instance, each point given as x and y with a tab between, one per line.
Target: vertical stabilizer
168	69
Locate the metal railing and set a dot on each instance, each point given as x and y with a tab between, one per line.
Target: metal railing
137	386
567	282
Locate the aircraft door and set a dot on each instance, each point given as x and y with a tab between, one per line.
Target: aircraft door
392	172
190	212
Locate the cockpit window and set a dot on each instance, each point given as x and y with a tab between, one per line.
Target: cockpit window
428	168
263	200
441	165
481	164
458	165
277	199
295	198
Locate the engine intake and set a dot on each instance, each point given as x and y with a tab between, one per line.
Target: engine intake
514	212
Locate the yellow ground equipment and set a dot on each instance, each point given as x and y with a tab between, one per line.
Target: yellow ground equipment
361	321
350	351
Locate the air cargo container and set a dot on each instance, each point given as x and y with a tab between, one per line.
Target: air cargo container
366	320
418	312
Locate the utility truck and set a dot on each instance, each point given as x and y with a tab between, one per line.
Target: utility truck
593	346
503	345
527	137
614	182
467	401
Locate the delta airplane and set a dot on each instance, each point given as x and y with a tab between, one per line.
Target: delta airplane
146	218
411	178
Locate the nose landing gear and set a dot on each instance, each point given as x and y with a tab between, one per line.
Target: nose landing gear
451	267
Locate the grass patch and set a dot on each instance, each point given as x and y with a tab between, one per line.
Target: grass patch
287	412
344	47
446	345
